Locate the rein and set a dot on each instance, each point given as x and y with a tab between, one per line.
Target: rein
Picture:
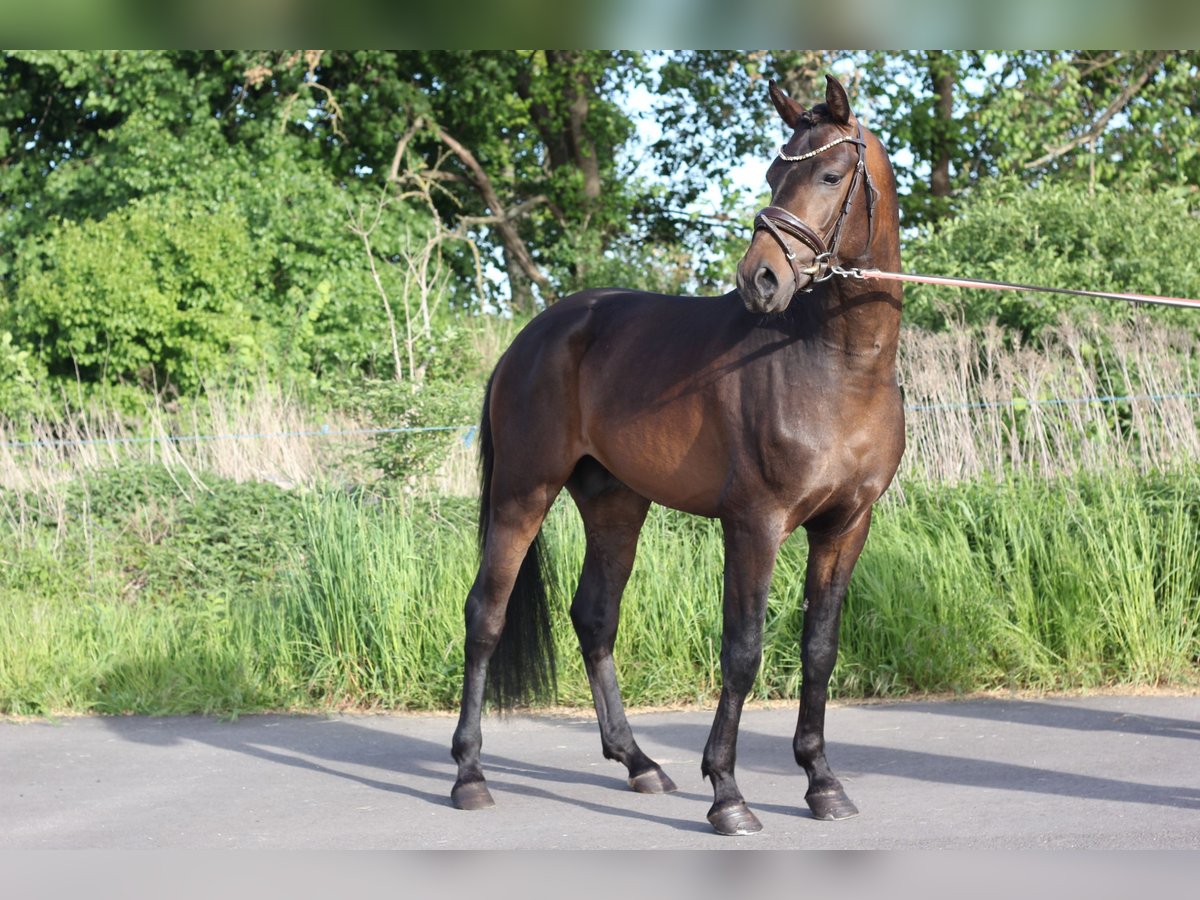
981	283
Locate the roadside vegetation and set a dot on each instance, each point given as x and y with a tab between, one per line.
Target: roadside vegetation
245	328
1028	544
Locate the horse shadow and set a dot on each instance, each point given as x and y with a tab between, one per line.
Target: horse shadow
387	760
771	753
1075	718
396	761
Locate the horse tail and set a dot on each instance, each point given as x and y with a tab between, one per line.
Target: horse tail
521	670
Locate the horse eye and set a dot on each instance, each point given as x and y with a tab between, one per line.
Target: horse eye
831	178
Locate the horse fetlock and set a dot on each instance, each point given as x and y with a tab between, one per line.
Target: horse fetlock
809	751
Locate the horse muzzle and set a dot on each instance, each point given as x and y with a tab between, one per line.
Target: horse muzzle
768	287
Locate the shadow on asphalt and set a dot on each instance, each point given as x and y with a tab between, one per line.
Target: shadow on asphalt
336	746
1060	715
856	759
300	741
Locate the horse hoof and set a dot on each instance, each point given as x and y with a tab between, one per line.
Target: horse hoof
471	795
734	818
652	781
831	805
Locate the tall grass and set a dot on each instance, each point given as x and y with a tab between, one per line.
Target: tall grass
1027	544
1081	582
367	617
1044	584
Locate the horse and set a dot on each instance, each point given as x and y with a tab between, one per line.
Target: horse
772	407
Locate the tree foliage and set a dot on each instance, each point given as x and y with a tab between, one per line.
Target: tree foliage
170	228
1091	117
178	216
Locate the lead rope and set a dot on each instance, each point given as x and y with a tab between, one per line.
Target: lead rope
981	283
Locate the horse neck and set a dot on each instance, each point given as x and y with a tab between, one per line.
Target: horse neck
859	318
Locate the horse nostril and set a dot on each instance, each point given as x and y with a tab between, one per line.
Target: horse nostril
766	282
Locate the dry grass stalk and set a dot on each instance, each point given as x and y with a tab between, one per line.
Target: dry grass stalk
977	407
262	434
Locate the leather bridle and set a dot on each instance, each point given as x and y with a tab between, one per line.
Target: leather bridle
777	221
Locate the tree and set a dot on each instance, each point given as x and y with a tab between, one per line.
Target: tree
1092	117
1060	234
172	161
527	145
531	151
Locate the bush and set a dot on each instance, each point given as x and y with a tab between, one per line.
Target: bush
21	375
171	530
158	292
1128	239
199	260
428	417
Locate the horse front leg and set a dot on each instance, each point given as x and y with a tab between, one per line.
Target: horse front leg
831	559
749	562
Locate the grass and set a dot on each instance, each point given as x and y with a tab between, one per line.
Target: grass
347	600
1086	582
1026	545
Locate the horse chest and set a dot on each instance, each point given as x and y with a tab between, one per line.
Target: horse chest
826	445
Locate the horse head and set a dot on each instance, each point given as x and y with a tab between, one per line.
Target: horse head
825	184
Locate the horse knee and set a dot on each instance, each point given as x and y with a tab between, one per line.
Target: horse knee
740	663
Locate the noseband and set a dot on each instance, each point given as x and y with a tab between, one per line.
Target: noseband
777	221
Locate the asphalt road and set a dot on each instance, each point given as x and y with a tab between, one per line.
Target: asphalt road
1099	772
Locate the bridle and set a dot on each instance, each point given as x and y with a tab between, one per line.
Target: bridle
777	221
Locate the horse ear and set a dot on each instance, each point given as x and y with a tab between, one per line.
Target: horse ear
789	110
836	100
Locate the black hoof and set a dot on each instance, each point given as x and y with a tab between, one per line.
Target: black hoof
652	781
471	795
830	805
734	818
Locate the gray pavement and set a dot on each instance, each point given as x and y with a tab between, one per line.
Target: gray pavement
1101	772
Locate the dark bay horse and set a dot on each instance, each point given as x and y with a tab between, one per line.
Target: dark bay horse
772	407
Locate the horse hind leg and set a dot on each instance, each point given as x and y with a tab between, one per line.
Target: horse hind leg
612	516
507	561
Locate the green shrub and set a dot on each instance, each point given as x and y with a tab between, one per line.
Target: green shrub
159	292
1126	239
22	381
199	260
428	417
173	530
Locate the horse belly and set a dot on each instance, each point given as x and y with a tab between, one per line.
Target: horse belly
671	455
